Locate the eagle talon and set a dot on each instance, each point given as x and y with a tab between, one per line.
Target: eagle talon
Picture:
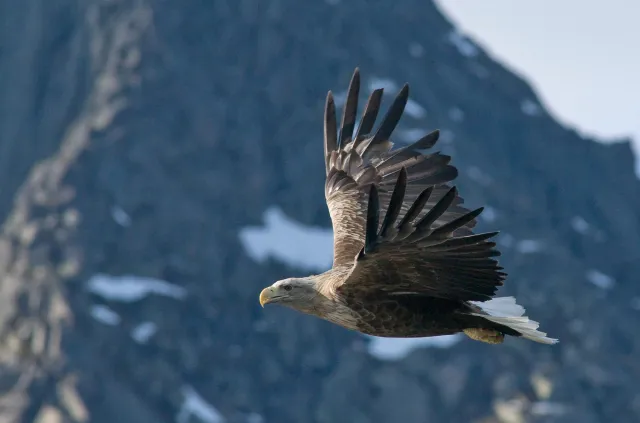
488	336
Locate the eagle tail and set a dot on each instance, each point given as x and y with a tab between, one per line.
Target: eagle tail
506	312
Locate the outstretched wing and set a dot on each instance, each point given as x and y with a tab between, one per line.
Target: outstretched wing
355	162
415	255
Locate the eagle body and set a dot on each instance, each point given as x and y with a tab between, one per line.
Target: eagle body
406	262
398	315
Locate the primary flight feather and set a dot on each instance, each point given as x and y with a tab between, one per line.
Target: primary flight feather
406	261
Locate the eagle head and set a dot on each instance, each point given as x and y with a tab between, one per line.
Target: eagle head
297	293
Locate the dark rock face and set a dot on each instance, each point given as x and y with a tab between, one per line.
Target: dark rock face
138	137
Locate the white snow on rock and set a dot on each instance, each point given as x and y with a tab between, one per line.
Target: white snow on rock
385	83
529	246
505	239
282	238
580	225
548	408
129	288
255	418
414	109
416	50
194	405
120	216
530	107
410	135
477	175
599	279
479	70
464	45
489	214
446	136
339	98
143	332
398	348
104	314
456	114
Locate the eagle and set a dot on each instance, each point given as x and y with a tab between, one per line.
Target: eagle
406	261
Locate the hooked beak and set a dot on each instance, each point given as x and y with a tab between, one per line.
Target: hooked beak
267	296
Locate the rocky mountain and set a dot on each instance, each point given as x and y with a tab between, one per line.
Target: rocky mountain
140	138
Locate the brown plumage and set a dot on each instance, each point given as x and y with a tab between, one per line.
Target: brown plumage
406	261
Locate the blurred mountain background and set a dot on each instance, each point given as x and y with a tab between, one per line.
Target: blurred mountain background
162	162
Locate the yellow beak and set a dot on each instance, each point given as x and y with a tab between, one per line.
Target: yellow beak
265	296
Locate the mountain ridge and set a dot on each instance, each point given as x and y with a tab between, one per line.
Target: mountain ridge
174	112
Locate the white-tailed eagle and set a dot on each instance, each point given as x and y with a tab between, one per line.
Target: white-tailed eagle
406	262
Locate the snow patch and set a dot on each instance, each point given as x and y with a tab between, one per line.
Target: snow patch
255	418
411	135
130	288
143	332
235	351
529	246
464	45
414	109
304	247
398	348
478	175
340	98
195	405
480	71
488	214
580	225
385	83
505	239
548	408
120	216
446	136
416	50
530	107
599	279
456	114
104	314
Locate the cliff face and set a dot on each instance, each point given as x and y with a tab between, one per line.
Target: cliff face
138	138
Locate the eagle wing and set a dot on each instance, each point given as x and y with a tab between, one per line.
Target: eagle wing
414	255
356	162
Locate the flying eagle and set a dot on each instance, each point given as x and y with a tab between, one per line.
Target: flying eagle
406	262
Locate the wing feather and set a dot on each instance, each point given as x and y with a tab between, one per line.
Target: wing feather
330	128
370	114
348	122
355	163
391	118
424	260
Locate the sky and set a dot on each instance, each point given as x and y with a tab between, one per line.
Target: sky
582	58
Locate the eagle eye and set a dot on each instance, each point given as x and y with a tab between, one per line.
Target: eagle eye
287	287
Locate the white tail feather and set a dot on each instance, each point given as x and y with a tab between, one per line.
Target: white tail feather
505	311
